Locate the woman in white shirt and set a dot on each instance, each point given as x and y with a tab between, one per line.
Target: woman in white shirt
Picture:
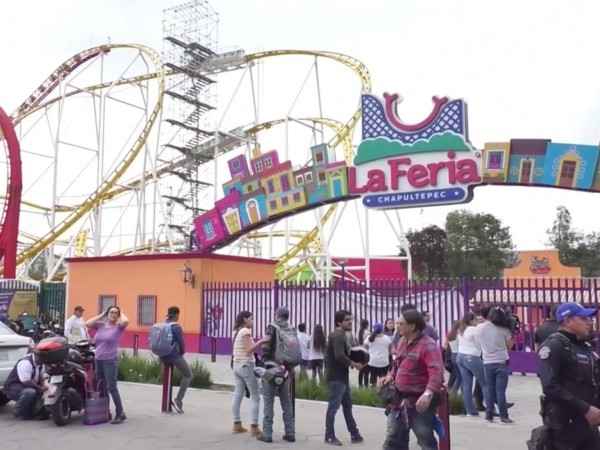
455	381
379	346
470	363
242	363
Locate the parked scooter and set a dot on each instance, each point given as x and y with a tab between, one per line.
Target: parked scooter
68	382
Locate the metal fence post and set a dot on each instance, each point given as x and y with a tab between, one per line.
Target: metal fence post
136	344
293	391
167	391
444	415
465	294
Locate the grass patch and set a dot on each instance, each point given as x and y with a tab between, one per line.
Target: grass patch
313	390
138	369
457	404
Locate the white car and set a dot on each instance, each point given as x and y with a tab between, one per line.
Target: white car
12	348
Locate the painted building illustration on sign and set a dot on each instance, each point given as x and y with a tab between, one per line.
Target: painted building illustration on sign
266	188
399	165
540	162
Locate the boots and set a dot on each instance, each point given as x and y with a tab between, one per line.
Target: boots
255	431
238	428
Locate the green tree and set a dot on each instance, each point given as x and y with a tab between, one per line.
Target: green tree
427	252
477	245
563	237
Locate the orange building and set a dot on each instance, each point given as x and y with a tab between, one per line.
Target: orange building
144	286
543	264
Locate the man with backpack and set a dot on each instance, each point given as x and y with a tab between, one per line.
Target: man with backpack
282	349
166	342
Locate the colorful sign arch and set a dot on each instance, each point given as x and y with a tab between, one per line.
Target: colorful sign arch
397	165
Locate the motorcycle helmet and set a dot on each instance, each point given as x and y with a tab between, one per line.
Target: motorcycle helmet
275	374
74	356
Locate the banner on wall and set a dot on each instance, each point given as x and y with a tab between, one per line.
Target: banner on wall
14	303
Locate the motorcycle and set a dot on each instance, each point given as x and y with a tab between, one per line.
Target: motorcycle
69	382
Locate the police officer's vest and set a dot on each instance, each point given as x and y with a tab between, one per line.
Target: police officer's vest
582	376
13	376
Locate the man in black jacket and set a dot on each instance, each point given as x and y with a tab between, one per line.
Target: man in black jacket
547	329
337	365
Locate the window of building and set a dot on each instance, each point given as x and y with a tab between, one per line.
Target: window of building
285	183
495	160
209	231
105	302
146	310
258	166
268	162
270	186
273	204
235	165
319	157
299	180
322	177
308	177
297	197
285	201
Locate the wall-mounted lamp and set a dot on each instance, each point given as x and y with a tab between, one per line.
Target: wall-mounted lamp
186	275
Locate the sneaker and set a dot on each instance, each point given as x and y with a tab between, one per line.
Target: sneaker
119	418
178	406
506	420
263	438
356	438
289	437
489	418
255	431
332	440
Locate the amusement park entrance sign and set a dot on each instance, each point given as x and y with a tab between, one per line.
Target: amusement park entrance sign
398	165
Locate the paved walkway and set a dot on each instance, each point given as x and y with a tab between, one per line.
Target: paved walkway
207	423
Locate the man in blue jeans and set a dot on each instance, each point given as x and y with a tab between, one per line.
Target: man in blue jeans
337	367
176	357
282	316
495	342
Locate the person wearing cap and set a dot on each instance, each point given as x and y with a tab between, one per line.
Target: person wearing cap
176	357
570	377
379	346
25	386
75	329
282	317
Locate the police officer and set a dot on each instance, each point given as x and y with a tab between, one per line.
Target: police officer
570	376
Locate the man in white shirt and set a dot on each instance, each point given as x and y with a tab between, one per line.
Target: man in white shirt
495	342
75	329
25	386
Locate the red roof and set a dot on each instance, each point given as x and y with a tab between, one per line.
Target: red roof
163	256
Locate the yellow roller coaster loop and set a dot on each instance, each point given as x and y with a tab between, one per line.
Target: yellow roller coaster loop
107	190
96	197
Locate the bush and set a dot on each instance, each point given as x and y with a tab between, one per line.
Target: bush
313	390
457	404
150	370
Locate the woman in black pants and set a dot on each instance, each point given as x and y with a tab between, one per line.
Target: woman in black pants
363	334
379	346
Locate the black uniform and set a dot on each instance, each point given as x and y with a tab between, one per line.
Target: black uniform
545	330
570	376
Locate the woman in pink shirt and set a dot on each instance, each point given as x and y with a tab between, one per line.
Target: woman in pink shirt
109	327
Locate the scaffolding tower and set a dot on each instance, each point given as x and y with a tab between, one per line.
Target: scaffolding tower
190	39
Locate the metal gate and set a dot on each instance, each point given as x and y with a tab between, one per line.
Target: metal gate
52	301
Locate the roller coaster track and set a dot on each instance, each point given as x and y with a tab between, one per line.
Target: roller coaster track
35	101
107	191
